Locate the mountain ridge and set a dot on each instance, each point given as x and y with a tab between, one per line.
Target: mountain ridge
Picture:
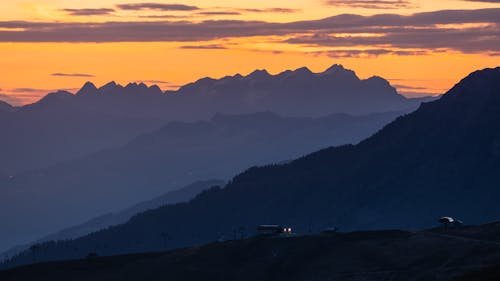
175	154
439	160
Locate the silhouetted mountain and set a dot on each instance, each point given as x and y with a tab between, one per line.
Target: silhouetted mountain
296	93
175	155
53	130
173	197
430	255
67	126
442	159
5	107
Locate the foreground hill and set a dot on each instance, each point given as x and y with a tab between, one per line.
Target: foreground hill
67	126
177	154
431	255
442	159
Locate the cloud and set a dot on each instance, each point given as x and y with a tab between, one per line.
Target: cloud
399	86
162	16
219	13
371	4
72	75
28	90
204	47
466	40
156	6
10	99
155	81
89	12
272	10
430	30
353	53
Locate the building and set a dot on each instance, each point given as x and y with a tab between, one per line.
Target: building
273	230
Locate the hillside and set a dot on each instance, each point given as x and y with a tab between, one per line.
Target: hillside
440	160
177	154
183	194
430	255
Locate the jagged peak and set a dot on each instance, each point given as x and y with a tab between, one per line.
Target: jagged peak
134	85
111	84
87	88
259	73
335	68
339	70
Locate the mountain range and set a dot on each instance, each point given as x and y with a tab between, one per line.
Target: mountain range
439	160
177	154
64	126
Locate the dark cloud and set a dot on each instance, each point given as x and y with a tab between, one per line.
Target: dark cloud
162	16
35	92
28	90
354	53
371	4
157	6
220	13
155	81
399	86
72	75
272	10
88	12
204	47
400	31
467	40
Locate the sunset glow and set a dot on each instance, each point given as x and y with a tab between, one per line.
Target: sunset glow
421	47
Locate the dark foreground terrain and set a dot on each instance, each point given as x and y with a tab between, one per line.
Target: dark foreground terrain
438	254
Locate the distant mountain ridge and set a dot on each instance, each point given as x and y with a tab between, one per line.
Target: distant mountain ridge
439	160
177	154
183	194
67	126
290	93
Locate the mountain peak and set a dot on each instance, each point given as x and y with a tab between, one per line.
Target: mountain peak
335	68
110	88
303	70
259	74
478	86
58	95
110	84
338	70
88	89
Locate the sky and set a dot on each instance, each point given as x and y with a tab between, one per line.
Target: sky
422	47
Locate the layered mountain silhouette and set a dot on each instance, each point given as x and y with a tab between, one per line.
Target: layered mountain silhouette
177	154
183	194
439	160
63	126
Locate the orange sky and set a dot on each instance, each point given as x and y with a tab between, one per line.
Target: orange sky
421	53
